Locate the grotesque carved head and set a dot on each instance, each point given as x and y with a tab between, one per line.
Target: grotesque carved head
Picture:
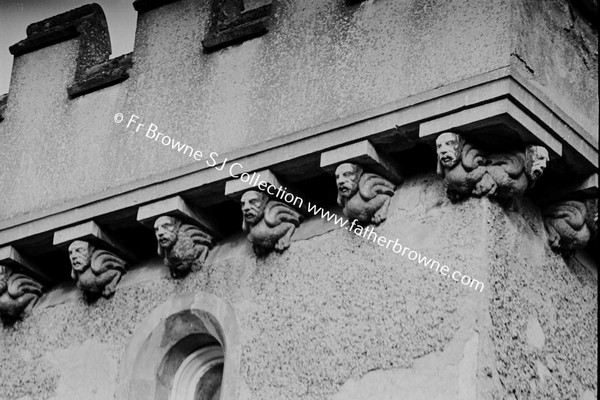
449	147
80	254
537	158
253	206
166	229
347	177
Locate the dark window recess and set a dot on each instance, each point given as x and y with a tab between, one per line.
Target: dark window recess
231	23
102	75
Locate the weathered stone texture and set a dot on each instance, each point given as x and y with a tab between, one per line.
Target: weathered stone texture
320	61
556	47
407	322
544	313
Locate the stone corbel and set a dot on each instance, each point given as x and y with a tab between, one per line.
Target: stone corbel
470	170
364	196
98	262
572	221
270	224
184	235
232	23
18	291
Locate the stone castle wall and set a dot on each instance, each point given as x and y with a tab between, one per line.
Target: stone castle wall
334	316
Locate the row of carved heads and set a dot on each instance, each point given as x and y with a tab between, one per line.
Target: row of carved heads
364	196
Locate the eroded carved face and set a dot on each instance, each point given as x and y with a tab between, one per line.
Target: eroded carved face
253	206
165	229
537	159
448	147
80	254
347	177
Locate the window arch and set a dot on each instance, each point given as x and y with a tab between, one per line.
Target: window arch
187	349
199	376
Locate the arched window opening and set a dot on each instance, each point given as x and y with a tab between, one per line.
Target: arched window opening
199	375
189	348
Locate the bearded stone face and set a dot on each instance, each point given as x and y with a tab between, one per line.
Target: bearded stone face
347	177
448	147
165	229
253	206
537	159
80	254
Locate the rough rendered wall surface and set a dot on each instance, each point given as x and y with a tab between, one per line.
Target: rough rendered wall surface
320	61
349	319
544	313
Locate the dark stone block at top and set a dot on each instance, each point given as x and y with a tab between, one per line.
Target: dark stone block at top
102	75
88	19
246	25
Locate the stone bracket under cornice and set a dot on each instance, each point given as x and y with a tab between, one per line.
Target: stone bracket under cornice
264	180
177	207
90	232
10	257
364	154
508	99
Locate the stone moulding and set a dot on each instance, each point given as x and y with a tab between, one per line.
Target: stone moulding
231	24
18	293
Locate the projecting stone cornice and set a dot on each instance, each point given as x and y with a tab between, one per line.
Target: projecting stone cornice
510	101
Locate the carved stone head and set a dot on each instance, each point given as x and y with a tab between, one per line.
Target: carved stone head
80	254
347	177
166	229
253	206
536	159
449	148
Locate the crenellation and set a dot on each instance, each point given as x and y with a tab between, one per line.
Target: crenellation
102	75
373	150
86	23
231	23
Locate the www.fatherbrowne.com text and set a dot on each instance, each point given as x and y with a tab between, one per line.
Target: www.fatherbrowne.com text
236	170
